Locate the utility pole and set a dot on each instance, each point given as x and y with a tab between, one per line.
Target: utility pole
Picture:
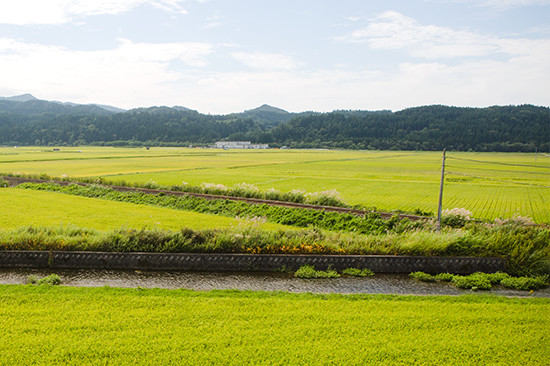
439	207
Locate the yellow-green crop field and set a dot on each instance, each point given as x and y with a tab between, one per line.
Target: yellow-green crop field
50	325
39	208
490	185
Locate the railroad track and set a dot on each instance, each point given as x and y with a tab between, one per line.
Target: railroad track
14	181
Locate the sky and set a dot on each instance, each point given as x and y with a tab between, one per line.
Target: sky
224	56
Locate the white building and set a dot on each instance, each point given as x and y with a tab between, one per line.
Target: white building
239	145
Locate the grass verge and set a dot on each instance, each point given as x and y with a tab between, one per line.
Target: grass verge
526	249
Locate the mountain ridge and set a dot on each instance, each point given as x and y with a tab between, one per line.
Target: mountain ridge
523	128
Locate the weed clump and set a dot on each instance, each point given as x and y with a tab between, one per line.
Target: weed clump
485	281
525	283
51	280
422	276
308	271
444	277
356	272
474	282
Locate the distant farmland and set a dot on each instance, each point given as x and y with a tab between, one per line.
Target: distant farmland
490	185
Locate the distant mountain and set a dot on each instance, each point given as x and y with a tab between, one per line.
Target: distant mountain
499	128
102	106
183	109
43	106
25	120
268	116
19	98
38	107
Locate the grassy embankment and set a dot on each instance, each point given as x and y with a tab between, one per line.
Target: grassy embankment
490	185
526	248
401	174
127	326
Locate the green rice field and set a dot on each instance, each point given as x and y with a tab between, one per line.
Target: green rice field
490	185
38	208
98	326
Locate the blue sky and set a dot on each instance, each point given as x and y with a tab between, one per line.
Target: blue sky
222	56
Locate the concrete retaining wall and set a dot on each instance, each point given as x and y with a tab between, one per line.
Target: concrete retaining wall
245	262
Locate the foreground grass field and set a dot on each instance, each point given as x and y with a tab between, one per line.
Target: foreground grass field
490	185
78	326
38	208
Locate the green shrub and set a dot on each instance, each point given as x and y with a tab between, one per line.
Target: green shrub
476	281
496	278
446	277
52	279
308	271
525	283
329	273
422	276
358	272
484	281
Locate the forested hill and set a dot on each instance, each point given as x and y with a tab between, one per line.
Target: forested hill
509	128
512	128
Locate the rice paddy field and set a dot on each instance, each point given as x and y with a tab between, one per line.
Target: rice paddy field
38	208
490	185
76	326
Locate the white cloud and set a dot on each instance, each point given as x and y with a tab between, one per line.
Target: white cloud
392	30
214	21
502	4
485	70
122	75
475	84
25	12
514	3
266	61
139	74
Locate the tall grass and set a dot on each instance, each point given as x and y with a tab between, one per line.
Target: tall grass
245	190
526	249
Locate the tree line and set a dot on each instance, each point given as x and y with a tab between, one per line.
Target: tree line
521	128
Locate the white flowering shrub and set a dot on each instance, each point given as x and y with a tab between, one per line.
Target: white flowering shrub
152	185
296	195
516	220
212	188
326	198
245	190
272	194
456	217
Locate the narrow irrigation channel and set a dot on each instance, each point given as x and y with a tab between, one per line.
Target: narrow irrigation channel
399	284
